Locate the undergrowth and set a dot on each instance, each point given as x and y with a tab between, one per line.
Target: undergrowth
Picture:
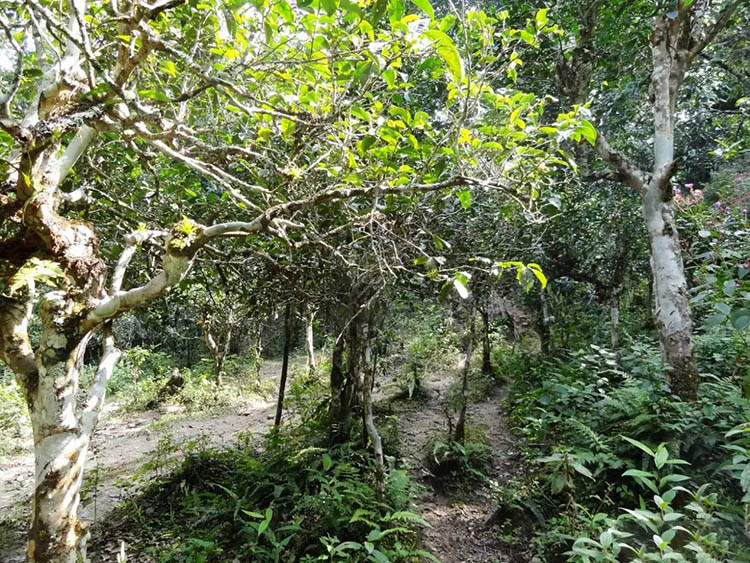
288	502
618	469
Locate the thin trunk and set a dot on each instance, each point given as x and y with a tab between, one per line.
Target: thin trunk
284	362
614	322
368	370
673	316
258	351
486	356
310	339
460	431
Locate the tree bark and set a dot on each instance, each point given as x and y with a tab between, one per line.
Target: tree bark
284	362
310	339
673	315
368	370
486	350
460	430
676	40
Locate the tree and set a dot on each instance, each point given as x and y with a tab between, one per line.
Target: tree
247	120
677	38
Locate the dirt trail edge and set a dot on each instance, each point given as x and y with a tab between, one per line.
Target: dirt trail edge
120	447
458	533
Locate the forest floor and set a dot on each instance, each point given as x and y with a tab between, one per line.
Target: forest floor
457	514
129	448
123	444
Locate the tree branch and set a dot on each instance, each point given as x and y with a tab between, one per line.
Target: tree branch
15	80
720	23
633	175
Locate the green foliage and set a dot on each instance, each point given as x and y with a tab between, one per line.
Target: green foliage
573	412
14	419
674	524
288	503
456	463
419	344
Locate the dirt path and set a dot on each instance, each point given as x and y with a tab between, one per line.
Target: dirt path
120	447
458	533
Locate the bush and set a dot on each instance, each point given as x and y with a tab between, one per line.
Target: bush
455	462
15	426
289	503
588	425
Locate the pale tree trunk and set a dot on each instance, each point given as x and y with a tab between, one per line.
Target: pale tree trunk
673	315
368	381
310	339
676	41
459	434
213	348
218	341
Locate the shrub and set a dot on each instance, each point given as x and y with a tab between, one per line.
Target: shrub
288	503
572	413
15	426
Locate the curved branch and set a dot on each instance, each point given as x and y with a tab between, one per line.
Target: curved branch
632	175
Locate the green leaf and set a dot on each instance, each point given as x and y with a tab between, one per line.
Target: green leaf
740	318
729	287
637	473
464	196
378	10
35	270
378	557
327	462
329	6
541	17
447	51
154	95
528	37
661	457
396	10
536	269
263	526
169	68
639	445
715	319
583	470
586	129
426	7
283	8
390	78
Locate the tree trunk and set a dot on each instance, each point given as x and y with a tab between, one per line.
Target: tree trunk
486	355
62	436
310	339
460	431
56	534
673	316
672	312
284	362
345	384
614	322
368	370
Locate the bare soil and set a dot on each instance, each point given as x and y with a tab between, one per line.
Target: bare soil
458	532
123	443
121	446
